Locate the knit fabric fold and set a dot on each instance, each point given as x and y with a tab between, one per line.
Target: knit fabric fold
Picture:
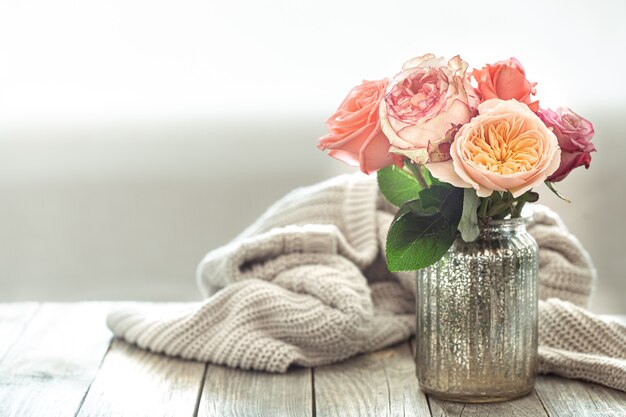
307	284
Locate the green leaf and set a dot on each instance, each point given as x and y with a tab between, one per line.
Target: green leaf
415	206
434	196
468	226
419	236
499	208
430	179
423	175
415	242
528	197
397	185
497	196
552	188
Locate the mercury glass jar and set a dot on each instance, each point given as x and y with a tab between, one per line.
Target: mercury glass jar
477	317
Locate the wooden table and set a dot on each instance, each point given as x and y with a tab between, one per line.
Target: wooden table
61	360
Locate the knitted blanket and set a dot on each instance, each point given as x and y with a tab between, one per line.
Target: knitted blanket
307	284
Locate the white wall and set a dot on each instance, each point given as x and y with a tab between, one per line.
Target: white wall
137	135
69	60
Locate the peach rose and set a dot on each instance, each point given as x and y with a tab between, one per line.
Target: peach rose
505	148
355	136
425	105
506	80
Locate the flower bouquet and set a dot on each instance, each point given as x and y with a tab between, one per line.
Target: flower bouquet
460	153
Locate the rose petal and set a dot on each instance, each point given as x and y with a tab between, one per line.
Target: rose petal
444	171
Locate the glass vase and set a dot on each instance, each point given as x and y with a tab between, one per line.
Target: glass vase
476	337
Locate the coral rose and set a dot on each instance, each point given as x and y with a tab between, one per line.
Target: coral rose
506	80
425	105
574	134
505	148
355	136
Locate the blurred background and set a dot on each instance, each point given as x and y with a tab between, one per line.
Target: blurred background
137	135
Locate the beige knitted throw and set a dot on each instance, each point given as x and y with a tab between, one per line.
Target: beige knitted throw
307	284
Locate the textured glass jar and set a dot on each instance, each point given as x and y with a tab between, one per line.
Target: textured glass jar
477	317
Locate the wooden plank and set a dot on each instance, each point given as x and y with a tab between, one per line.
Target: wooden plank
528	406
612	402
13	320
568	397
135	382
49	369
233	392
377	384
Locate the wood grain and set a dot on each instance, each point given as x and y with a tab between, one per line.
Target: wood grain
377	384
528	406
232	392
612	401
49	369
51	353
13	320
568	397
135	382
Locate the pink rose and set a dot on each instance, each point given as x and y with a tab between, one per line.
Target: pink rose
355	136
506	80
425	105
574	134
505	148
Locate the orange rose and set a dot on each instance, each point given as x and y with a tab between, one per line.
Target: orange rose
506	80
355	136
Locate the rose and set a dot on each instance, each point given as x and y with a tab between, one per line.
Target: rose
425	105
355	136
505	148
506	80
574	134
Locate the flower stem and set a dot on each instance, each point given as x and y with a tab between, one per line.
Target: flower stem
482	210
517	211
416	169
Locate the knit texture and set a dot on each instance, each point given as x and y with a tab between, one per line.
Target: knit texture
307	284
